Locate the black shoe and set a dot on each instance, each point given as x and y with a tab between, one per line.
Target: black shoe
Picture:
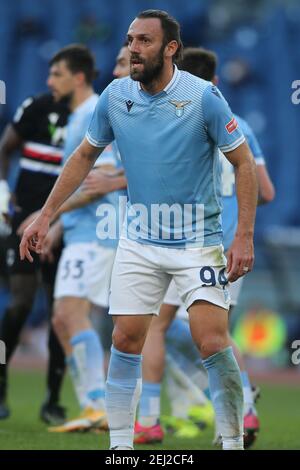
53	414
4	410
255	392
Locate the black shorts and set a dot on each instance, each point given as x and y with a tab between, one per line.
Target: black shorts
16	266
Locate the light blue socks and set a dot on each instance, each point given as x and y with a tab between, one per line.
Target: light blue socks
123	390
86	367
227	397
149	411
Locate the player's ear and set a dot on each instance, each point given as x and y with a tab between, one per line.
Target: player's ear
80	78
215	80
171	48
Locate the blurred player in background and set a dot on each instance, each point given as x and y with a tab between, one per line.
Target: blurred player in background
37	131
92	184
93	188
151	115
84	271
202	63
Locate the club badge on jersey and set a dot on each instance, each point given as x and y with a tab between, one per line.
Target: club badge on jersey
179	106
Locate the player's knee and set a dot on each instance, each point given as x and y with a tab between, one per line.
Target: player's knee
158	329
127	342
212	344
60	320
163	325
57	324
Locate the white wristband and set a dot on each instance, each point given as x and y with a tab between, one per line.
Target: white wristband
4	197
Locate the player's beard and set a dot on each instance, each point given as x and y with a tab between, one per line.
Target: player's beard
67	98
152	69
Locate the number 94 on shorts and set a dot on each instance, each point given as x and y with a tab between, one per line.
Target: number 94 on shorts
142	274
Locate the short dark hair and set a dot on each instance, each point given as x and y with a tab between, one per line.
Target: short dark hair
200	62
79	59
170	27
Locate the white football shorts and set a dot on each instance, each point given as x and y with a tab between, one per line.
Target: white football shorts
172	297
142	274
233	287
84	271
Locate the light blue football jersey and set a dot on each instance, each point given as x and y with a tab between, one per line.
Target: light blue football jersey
169	148
80	224
230	205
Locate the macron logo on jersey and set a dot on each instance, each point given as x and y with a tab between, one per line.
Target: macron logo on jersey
232	126
214	90
129	105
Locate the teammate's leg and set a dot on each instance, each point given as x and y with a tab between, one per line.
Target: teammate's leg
103	324
251	420
82	348
51	412
188	391
154	364
22	291
148	429
77	271
235	289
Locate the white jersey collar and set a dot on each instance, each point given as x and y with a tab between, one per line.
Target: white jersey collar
171	84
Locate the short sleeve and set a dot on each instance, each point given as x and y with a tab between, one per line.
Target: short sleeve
100	133
107	157
221	125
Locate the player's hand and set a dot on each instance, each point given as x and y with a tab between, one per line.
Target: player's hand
97	183
34	236
51	242
240	257
47	254
26	222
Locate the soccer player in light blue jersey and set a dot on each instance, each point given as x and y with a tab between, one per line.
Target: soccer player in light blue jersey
169	127
202	63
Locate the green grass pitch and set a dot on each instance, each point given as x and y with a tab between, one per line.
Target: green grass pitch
278	407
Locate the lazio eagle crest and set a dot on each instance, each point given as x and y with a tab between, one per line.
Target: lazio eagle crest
179	106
